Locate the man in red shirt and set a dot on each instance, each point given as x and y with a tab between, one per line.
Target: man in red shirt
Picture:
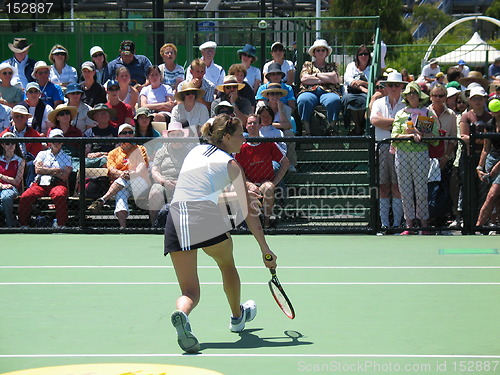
256	159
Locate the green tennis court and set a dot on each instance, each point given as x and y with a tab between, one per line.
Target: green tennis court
364	304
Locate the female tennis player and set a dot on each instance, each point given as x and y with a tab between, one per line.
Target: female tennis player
198	218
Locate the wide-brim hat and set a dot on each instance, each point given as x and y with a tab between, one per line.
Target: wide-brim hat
62	107
230	81
21	110
5	65
320	43
101	107
274	68
19	45
433	61
274	87
249	50
189	86
394	77
177	126
474	76
39	65
423	97
72	88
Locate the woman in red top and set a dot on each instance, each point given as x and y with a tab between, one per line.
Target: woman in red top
11	175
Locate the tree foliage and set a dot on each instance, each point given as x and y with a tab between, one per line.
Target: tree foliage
393	29
494	9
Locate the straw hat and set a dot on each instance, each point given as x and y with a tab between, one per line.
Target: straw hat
320	43
62	107
39	65
273	87
19	45
189	86
474	76
230	81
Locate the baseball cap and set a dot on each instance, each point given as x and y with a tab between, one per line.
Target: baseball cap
127	47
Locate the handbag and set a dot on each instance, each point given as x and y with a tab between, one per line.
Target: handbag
438	150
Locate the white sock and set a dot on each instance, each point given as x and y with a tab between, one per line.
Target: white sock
397	211
385	206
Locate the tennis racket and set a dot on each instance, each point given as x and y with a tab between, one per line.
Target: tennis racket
278	292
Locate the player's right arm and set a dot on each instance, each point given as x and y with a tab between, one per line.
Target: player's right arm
250	204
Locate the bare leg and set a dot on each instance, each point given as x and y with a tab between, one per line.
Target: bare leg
122	218
267	189
185	265
112	191
222	253
488	205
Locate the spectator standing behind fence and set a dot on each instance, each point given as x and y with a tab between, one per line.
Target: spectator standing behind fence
127	94
429	71
21	61
214	72
356	77
382	116
286	66
94	92
494	71
248	56
166	167
172	73
20	129
74	99
189	108
488	168
11	176
51	93
256	159
463	68
100	61
61	73
412	156
124	113
9	95
37	108
199	81
274	75
230	93
156	96
319	84
128	169
137	65
52	167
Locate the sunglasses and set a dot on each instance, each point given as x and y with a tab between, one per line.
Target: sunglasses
8	144
278	50
8	73
393	85
64	113
33	91
379	87
231	87
114	88
60	54
412	93
98	55
43	72
189	93
274	94
320	50
18	116
129	132
245	55
363	54
438	95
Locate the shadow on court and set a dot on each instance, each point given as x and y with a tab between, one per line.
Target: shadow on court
248	340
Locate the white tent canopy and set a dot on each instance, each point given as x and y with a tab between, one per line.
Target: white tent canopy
475	52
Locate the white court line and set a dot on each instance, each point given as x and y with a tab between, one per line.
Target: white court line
243	283
256	355
281	267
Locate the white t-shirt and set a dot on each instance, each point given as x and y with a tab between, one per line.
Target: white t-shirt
196	117
214	73
428	72
382	107
45	117
49	160
253	74
68	74
285	67
203	175
158	95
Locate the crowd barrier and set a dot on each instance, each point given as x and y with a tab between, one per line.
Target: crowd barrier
335	189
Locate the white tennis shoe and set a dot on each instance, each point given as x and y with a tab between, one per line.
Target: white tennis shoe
185	338
248	312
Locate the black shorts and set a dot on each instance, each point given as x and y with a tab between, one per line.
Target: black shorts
193	225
